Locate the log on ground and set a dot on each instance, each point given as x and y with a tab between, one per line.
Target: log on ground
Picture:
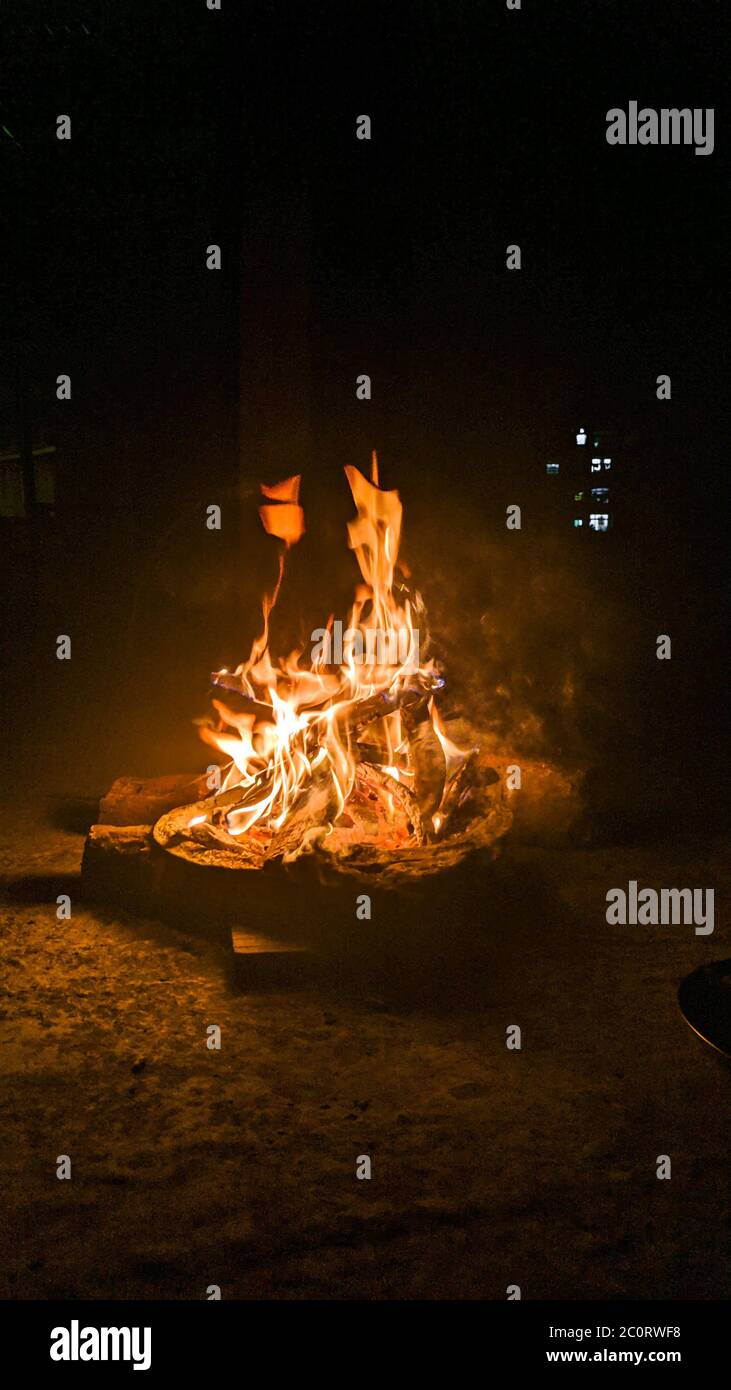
142	800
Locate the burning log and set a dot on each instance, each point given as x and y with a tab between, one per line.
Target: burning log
457	792
380	812
239	698
412	701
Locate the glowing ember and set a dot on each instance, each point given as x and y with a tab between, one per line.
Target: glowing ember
303	730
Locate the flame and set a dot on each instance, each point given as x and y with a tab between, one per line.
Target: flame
287	519
454	760
289	724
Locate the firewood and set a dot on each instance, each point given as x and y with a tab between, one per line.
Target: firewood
380	813
142	800
411	700
207	843
457	793
238	698
265	962
116	867
378	847
123	868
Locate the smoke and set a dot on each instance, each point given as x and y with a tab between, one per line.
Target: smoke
527	636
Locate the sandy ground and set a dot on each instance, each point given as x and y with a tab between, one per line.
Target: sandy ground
489	1167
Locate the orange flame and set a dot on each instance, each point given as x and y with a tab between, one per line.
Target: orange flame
287	520
292	721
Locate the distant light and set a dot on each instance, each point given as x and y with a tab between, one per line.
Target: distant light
578	521
607	463
596	465
552	468
578	496
599	521
581	436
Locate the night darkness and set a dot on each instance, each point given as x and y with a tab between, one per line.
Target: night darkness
190	387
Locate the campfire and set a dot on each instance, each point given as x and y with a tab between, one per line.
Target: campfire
342	768
340	749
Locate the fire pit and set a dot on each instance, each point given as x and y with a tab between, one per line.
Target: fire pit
341	775
327	749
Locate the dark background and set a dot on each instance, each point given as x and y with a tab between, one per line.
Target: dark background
387	257
342	257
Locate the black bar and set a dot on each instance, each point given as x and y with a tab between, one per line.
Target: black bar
193	1338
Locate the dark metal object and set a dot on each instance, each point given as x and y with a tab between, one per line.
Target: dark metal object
705	1003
